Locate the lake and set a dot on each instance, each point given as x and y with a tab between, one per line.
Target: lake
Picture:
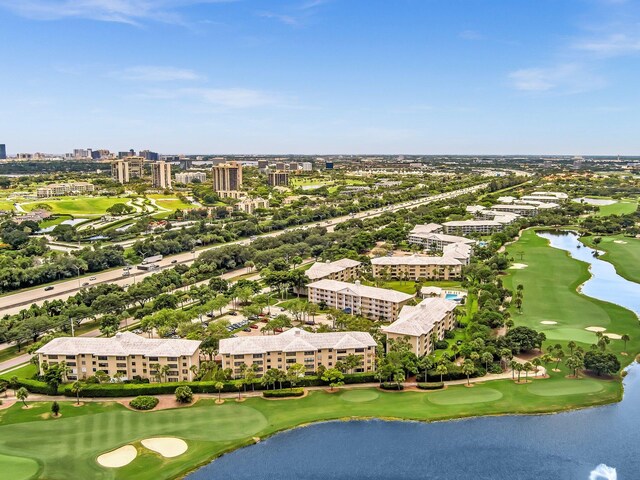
593	444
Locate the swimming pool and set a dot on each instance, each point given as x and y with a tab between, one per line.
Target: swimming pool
451	296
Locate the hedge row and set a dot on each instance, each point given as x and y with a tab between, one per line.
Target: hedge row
144	402
391	386
430	386
285	392
36	386
134	389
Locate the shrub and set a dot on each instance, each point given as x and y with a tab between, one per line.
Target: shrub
391	386
441	345
184	394
285	392
144	402
449	334
431	386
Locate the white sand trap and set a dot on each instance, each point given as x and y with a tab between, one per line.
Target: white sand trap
118	458
548	322
613	336
518	266
595	329
620	241
168	447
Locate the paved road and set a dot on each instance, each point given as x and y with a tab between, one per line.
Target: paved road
11	304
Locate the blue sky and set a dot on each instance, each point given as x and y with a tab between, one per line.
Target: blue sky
321	76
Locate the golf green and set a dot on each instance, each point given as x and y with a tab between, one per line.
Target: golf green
359	395
466	396
574	387
18	468
568	334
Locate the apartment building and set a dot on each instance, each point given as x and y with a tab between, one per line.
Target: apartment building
279	178
61	189
460	251
249	205
436	241
189	177
420	324
465	227
524	210
416	267
120	171
343	270
161	174
357	299
297	346
557	196
125	353
227	179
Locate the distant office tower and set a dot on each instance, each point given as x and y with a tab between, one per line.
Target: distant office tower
82	153
328	165
263	165
136	166
279	178
120	171
149	155
3	151
186	163
161	174
293	166
189	177
281	166
227	179
307	166
123	154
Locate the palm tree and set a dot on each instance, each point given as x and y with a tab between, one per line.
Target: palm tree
219	386
527	368
603	342
442	370
165	370
155	367
625	338
519	368
513	365
559	356
574	363
487	358
468	368
537	362
76	388
22	394
571	346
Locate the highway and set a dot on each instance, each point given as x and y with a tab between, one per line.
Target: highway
13	303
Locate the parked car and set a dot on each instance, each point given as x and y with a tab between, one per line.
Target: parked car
46	289
233	313
282	309
278	330
92	278
246	330
254	326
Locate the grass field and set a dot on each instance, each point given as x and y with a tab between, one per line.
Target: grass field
80	206
550	281
171	203
619	208
67	447
622	252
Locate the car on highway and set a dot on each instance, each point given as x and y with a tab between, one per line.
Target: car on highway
47	289
92	278
174	261
85	284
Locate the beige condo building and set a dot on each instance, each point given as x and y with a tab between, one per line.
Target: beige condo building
227	179
297	346
416	267
125	353
161	174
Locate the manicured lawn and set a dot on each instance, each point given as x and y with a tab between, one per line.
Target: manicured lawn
90	206
621	207
67	447
550	281
171	203
622	252
403	286
26	371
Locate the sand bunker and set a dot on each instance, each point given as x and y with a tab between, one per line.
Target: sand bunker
118	458
595	329
168	447
620	241
548	322
518	266
613	336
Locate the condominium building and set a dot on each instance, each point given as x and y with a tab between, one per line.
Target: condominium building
307	166
432	240
61	189
465	227
136	166
557	196
417	267
343	270
249	205
161	174
126	354
460	251
297	346
524	210
149	155
279	178
227	179
120	171
189	177
430	319
370	302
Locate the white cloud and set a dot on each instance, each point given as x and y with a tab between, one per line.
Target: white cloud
613	45
150	73
564	78
121	11
233	98
286	19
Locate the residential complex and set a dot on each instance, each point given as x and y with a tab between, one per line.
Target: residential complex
524	210
279	178
227	179
249	205
297	346
120	171
429	237
61	189
161	174
421	324
370	302
465	227
126	354
189	177
416	267
343	270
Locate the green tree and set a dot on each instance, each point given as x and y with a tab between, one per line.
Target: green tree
219	386
333	377
441	370
625	338
184	394
468	368
76	388
487	358
55	409
294	373
22	394
602	363
574	362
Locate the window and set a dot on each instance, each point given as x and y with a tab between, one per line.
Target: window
359	350
172	359
102	358
103	365
70	357
54	357
291	360
121	358
71	364
153	359
185	371
121	365
291	354
308	353
257	355
173	365
342	351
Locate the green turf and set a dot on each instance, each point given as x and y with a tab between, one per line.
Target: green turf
474	395
624	256
18	468
359	395
90	206
621	207
550	282
171	203
573	387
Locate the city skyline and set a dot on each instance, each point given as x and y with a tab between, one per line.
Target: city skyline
321	77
